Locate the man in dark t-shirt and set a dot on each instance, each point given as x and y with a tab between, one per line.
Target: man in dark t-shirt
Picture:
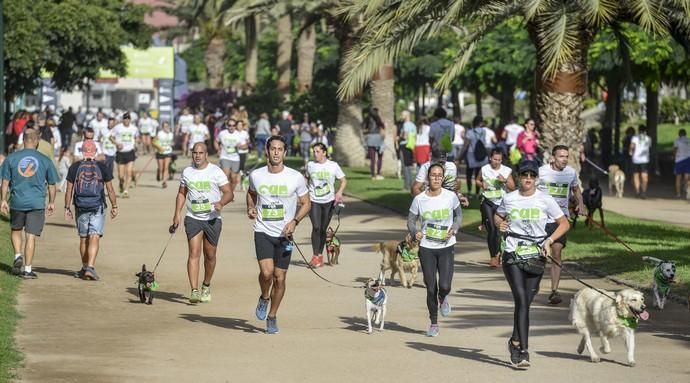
285	127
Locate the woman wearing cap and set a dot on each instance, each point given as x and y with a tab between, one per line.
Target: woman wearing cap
522	216
440	214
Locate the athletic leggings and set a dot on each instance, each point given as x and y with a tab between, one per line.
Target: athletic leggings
436	261
374	165
470	174
488	210
524	287
320	216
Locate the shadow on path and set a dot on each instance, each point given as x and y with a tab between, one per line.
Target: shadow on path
46	270
584	359
164	295
460	352
228	323
359	324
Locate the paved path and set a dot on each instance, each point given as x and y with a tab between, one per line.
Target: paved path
78	331
674	211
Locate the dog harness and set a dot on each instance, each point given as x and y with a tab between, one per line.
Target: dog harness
629	322
334	242
378	301
406	254
661	282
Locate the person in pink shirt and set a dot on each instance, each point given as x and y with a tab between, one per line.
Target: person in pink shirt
528	141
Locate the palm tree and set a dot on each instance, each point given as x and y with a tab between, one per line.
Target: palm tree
561	31
251	52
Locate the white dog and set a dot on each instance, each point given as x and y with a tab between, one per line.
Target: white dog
664	276
375	302
616	180
609	316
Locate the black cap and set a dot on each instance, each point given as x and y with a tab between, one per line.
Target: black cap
126	116
528	166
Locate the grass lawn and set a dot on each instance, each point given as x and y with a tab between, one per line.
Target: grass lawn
9	284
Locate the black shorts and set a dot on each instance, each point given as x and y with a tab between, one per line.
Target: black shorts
31	221
550	228
163	156
268	247
210	228
640	168
123	158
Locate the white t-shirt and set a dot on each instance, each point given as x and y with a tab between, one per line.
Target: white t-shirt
245	140
423	136
459	138
495	191
197	133
57	136
98	127
109	149
185	121
558	184
682	145
148	125
512	131
450	174
78	152
165	140
489	139
436	214
641	153
277	195
322	178
203	190
228	144
527	216
126	136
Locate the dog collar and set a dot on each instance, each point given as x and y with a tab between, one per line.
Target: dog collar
629	322
661	282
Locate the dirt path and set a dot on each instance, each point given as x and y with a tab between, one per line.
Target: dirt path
77	331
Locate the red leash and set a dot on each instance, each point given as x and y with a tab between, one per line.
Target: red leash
610	234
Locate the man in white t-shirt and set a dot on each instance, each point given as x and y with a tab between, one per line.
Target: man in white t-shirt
184	122
450	179
640	145
228	142
99	125
274	192
511	132
124	137
204	190
88	135
681	152
147	130
559	180
198	131
109	148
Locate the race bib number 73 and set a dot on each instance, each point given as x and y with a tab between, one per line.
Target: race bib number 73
272	212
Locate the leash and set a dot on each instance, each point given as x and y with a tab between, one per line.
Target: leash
291	238
140	172
171	229
560	265
613	236
596	166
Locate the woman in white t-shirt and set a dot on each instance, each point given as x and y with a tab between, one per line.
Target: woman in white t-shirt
494	180
422	150
522	216
163	143
681	152
321	175
440	214
640	146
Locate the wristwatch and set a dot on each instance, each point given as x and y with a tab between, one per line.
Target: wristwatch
296	221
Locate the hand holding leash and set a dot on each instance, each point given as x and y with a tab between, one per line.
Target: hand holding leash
419	236
252	213
504	226
172	228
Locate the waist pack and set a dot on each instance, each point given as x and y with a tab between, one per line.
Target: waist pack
533	266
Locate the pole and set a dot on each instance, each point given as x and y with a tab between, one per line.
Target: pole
2	81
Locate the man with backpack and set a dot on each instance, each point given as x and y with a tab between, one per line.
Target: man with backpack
442	133
86	181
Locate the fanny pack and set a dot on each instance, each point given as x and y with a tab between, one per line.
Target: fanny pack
533	266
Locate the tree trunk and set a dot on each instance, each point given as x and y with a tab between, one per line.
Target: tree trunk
284	54
306	50
507	102
251	54
417	106
423	109
214	57
454	95
653	122
478	102
383	98
613	90
617	127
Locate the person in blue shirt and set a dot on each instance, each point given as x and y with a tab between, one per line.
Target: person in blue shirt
24	175
442	133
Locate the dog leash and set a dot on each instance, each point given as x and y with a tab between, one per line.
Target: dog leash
610	234
596	166
171	229
140	172
291	238
560	265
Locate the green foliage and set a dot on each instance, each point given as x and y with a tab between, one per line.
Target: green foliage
194	57
9	286
671	106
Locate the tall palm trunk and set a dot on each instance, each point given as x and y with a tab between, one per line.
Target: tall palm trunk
306	50
214	57
284	54
652	109
383	98
251	53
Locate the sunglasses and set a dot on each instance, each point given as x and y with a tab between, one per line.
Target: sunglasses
528	175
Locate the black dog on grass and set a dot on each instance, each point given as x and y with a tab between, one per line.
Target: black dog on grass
592	200
146	285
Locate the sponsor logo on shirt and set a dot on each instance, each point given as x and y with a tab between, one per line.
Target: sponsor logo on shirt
440	214
274	190
202	186
525	214
320	175
27	166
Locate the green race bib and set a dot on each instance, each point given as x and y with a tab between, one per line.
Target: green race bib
557	190
436	233
201	206
272	212
127	138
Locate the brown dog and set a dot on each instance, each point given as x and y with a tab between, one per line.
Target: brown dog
616	180
332	247
399	258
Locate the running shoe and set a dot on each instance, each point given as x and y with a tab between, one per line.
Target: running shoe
433	330
514	352
17	265
445	307
379	177
195	297
205	294
80	274
314	262
271	325
555	298
29	275
320	261
90	274
125	194
262	309
524	359
494	262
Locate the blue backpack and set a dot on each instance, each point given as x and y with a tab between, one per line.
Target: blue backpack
88	186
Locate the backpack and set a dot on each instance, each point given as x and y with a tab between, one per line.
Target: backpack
88	186
480	153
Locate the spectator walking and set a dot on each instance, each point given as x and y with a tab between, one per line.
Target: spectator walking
681	152
285	129
639	152
67	121
407	141
442	133
263	131
375	132
422	150
305	139
458	142
477	152
528	141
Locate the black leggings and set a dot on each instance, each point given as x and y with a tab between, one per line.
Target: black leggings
488	209
320	216
524	287
470	174
436	261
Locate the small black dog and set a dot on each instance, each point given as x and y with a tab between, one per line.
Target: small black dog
592	200
146	284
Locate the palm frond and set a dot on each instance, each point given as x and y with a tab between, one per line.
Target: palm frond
245	8
532	8
648	13
598	12
558	32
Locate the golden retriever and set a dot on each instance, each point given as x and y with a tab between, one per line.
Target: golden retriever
616	180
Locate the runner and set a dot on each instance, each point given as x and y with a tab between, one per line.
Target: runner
147	129
200	191
494	180
321	174
272	199
99	125
163	143
24	175
450	178
523	215
440	214
228	142
124	136
184	123
198	132
109	148
87	180
559	180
